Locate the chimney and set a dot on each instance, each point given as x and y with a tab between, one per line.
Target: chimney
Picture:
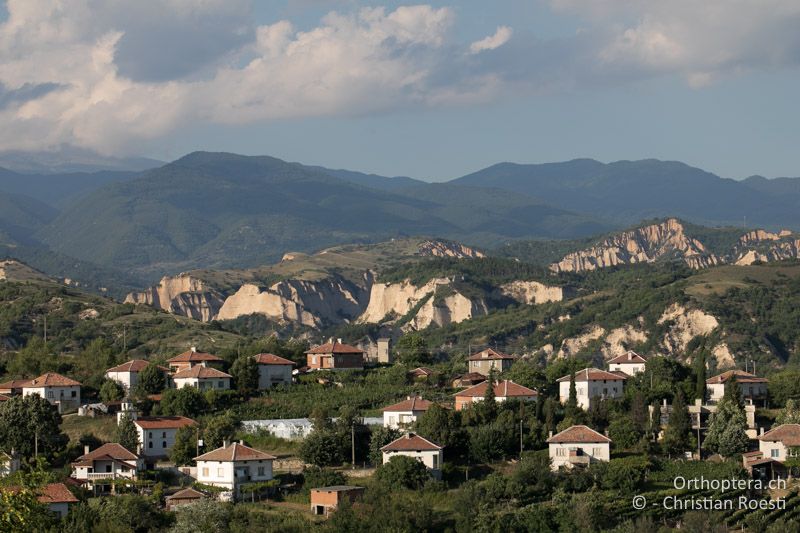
550	434
194	349
761	431
241	443
664	402
85	449
226	443
630	356
339	341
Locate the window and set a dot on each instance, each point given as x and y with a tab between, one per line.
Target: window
560	452
261	471
149	434
74	394
220	384
108	468
596	452
205	472
220	472
435	461
163	434
163	444
775	453
49	394
150	444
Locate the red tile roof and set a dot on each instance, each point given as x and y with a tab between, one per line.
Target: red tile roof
14	384
411	442
630	357
235	452
741	377
502	389
470	377
578	434
110	450
134	365
193	357
56	493
51	379
186	494
163	422
200	372
788	434
595	374
421	371
412	403
272	359
334	347
488	354
4	398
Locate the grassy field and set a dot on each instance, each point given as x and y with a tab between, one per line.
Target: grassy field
103	427
721	279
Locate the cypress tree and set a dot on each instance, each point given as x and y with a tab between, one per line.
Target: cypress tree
700	372
676	436
655	420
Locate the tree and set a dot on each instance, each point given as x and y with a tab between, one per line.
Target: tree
28	420
220	429
655	421
202	516
412	349
315	476
700	373
381	437
245	374
151	380
185	448
111	391
789	414
403	471
677	436
489	405
623	431
188	401
727	429
321	448
571	407
639	415
733	392
127	436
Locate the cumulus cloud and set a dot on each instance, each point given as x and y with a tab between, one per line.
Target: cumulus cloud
500	37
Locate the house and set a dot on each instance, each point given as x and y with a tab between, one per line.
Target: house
421	372
781	442
202	377
157	434
232	466
190	359
13	387
334	355
183	497
761	467
405	412
59	390
752	387
421	449
273	370
468	380
375	351
57	497
483	362
591	383
578	445
127	374
327	499
630	363
9	463
503	390
110	461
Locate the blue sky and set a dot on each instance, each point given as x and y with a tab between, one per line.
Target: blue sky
432	91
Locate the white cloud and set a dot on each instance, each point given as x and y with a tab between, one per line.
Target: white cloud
500	37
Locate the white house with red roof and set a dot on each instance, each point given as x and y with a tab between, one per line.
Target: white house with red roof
412	445
335	355
578	446
273	370
232	466
108	462
405	413
127	374
591	383
203	378
630	362
483	362
503	390
780	443
751	386
190	359
61	391
57	498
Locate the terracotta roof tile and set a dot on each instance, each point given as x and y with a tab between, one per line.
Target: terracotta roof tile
4	398
502	389
14	384
421	371
200	372
335	347
412	403
186	494
51	379
630	357
488	355
788	434
134	365
741	377
234	452
163	422
595	374
410	442
193	357
578	434
112	450
272	359
56	493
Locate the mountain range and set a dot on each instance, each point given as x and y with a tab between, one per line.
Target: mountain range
222	210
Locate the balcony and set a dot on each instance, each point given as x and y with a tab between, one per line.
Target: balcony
101	476
576	460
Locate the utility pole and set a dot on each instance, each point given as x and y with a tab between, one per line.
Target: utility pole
353	445
36	444
520	438
45	329
124	339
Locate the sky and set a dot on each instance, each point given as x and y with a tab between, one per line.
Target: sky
432	91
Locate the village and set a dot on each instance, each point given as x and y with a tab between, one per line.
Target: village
167	457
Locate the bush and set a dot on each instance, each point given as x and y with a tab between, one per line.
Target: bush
403	471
